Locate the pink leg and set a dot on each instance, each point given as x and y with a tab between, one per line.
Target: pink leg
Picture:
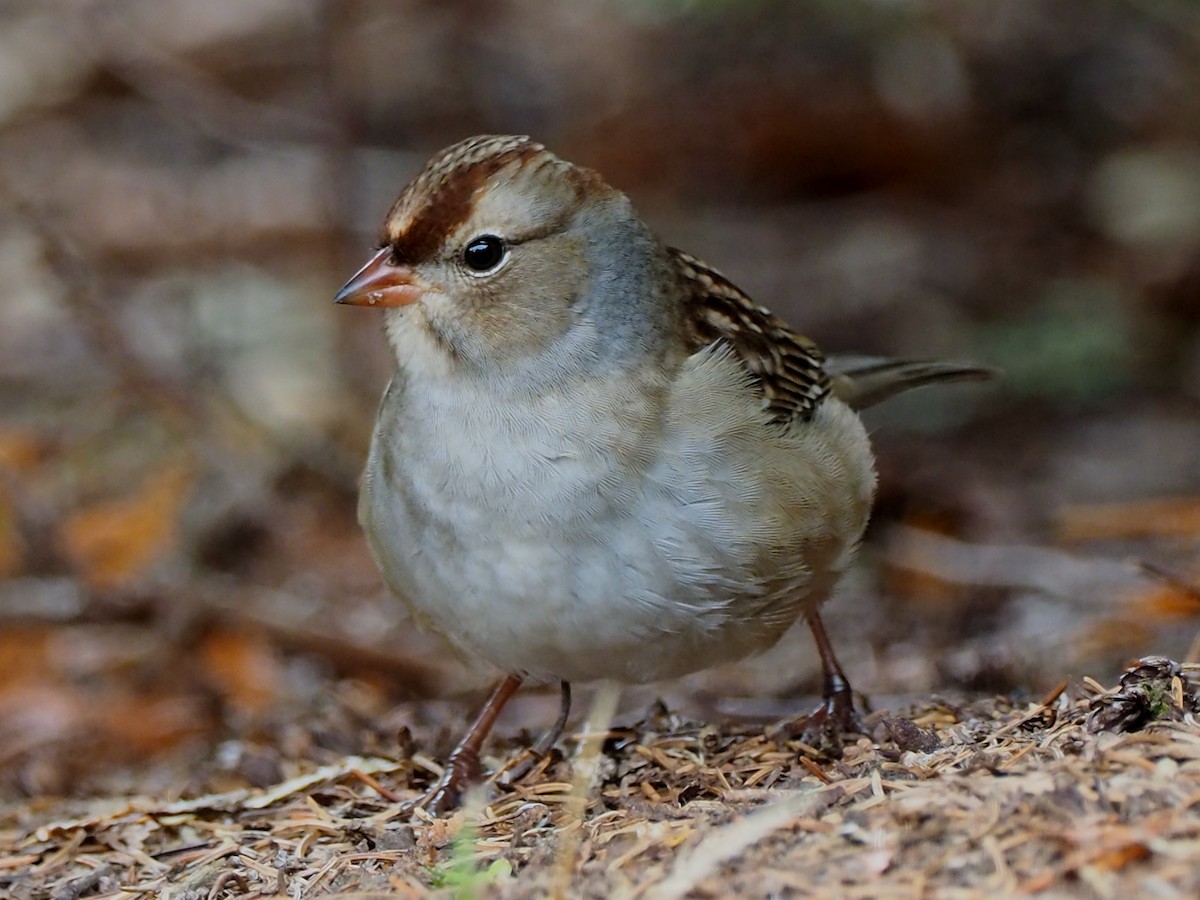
462	766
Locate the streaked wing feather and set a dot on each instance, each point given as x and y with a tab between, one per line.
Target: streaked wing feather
788	367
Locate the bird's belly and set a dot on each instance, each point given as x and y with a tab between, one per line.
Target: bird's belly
603	601
662	555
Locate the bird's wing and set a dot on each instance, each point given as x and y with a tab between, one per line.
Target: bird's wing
787	367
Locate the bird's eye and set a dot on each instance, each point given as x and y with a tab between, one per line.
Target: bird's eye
484	253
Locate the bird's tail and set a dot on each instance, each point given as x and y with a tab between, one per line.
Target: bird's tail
862	381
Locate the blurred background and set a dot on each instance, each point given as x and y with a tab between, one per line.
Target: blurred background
185	598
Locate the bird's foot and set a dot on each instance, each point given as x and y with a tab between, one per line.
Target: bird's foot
826	726
461	773
462	765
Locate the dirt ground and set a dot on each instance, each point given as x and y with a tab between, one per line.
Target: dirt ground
1087	792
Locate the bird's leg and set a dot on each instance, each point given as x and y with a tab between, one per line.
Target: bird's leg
836	715
547	741
836	712
462	765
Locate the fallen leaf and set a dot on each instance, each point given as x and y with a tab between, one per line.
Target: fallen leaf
244	667
115	541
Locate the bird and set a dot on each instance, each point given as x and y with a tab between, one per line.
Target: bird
598	458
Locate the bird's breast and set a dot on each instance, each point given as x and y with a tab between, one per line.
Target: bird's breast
621	532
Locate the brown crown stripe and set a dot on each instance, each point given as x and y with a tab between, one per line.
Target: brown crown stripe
788	367
447	186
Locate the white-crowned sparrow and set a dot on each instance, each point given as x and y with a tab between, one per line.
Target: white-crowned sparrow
598	457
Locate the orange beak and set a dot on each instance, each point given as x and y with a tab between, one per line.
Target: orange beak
383	283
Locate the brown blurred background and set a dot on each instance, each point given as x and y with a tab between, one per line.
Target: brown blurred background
183	413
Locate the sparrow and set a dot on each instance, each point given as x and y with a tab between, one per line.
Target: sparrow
598	458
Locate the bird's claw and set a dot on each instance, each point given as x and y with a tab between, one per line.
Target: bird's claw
826	725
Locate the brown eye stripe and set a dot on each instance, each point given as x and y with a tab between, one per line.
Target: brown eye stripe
788	367
447	187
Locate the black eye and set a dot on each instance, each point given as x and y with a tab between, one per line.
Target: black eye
483	253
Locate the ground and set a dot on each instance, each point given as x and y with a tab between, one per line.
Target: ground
1084	792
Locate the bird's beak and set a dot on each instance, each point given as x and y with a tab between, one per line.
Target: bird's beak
382	282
